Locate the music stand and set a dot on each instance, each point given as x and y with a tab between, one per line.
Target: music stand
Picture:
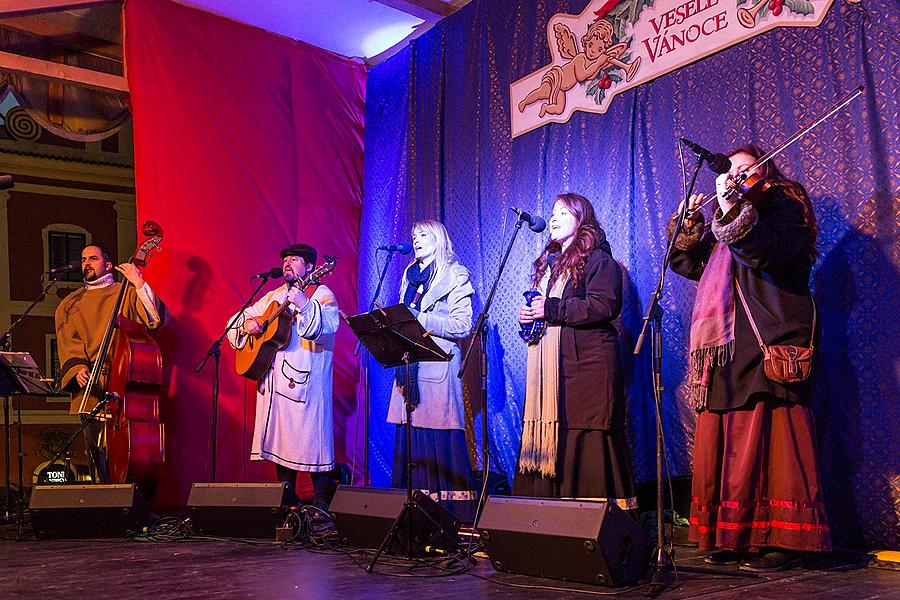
394	337
20	376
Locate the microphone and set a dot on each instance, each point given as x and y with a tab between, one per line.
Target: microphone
718	163
274	272
64	269
535	223
402	248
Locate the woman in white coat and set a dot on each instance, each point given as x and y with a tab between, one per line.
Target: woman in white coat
437	290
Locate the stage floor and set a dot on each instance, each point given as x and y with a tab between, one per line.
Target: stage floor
100	569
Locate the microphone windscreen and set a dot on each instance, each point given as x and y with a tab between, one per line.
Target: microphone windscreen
720	164
538	224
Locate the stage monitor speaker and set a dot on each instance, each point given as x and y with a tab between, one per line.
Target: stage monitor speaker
87	511
242	510
588	542
363	517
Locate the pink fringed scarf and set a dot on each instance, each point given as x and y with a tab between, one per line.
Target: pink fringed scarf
712	324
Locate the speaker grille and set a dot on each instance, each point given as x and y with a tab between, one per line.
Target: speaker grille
245	510
588	542
86	511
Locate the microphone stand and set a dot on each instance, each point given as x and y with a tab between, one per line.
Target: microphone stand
215	353
364	365
6	346
480	334
6	337
105	399
665	556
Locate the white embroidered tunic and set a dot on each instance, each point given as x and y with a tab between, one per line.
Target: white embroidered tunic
294	426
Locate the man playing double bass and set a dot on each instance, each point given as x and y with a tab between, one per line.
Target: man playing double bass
81	320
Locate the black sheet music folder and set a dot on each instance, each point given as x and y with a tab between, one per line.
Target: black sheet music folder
19	374
389	333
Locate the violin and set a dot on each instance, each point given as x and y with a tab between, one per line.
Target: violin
751	187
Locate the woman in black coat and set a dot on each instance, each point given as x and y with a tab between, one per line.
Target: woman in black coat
574	443
756	497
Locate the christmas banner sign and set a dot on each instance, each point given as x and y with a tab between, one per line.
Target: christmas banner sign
615	45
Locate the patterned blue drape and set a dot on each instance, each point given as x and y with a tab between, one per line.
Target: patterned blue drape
438	146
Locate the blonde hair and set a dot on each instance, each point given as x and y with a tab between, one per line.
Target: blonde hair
443	247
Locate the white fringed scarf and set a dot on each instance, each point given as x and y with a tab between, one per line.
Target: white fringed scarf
540	430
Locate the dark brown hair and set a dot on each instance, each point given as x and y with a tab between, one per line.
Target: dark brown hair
792	189
105	254
588	236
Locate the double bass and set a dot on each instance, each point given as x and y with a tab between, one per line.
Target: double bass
127	376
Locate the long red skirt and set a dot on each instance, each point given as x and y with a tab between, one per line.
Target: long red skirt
756	481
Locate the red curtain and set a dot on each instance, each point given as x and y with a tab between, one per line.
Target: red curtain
244	142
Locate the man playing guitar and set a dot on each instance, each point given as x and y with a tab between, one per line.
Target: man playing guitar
294	427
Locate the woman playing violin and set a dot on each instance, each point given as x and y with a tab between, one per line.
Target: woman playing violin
756	497
573	438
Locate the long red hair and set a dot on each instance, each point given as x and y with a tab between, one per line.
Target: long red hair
588	236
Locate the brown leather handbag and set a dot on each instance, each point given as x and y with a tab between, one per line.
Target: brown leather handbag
783	363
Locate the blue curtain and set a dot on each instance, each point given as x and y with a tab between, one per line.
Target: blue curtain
438	146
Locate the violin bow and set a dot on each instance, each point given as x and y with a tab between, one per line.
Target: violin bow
770	155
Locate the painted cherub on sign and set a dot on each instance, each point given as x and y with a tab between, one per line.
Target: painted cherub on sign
599	54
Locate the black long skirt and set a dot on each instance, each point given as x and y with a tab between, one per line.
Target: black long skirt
592	464
441	468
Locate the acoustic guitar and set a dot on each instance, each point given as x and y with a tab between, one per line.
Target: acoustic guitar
255	357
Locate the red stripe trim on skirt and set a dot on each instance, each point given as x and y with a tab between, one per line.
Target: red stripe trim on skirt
755	480
759	525
796	504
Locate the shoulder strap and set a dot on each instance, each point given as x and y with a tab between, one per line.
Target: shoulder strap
812	333
762	344
310	290
765	349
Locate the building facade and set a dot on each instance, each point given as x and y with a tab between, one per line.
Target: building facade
67	194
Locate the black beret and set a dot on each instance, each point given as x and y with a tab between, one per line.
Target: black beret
304	251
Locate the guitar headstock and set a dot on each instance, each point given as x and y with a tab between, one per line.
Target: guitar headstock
321	271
